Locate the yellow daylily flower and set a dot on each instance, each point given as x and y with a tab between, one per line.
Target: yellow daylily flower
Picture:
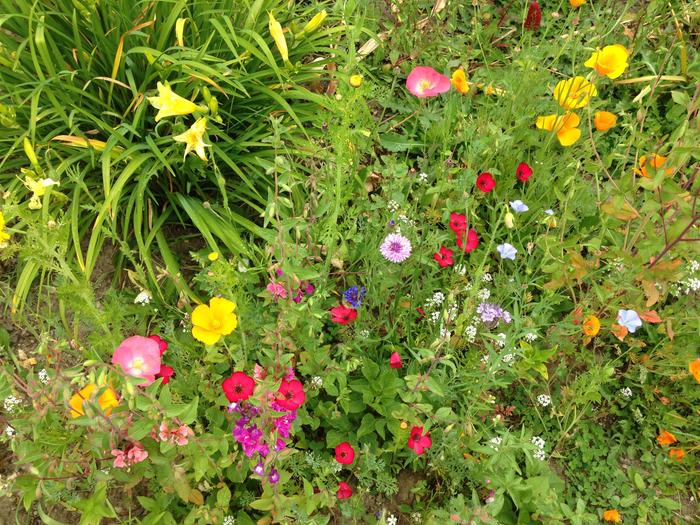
106	401
169	104
574	93
38	189
611	61
4	236
193	138
565	126
211	322
278	36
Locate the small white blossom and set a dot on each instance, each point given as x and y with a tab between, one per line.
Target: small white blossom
470	333
364	334
694	266
391	520
435	317
626	392
544	400
9	431
392	206
485	358
444	333
501	340
539	454
422	176
538	442
486	278
316	382
144	297
495	442
43	376
229	520
416	517
11	403
530	337
508	358
483	294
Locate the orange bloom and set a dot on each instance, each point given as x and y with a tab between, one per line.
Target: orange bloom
459	81
676	453
577	3
612	516
666	438
655	161
107	400
591	326
604	120
694	367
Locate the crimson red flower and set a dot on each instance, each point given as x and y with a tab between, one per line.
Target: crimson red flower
395	360
162	345
523	171
419	442
290	394
485	182
238	387
421	312
534	17
343	315
472	241
344	453
344	490
444	257
458	222
166	372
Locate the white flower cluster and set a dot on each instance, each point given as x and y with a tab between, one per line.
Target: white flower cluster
501	340
694	266
544	400
444	333
416	517
364	334
508	358
391	520
43	376
494	443
392	206
530	337
11	403
485	358
686	287
470	333
539	443
9	431
461	269
316	382
626	392
436	300
486	278
483	294
422	176
229	520
406	220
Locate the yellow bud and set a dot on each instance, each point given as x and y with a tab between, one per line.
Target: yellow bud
315	22
29	152
509	220
404	425
278	36
213	256
356	81
179	30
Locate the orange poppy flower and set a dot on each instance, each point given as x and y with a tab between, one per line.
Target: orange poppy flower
577	3
654	161
676	453
666	438
612	516
591	326
459	81
604	120
694	367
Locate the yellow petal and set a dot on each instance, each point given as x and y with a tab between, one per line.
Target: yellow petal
278	36
568	136
201	315
546	122
179	31
221	307
205	336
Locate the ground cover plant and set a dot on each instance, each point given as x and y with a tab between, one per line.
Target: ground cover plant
362	262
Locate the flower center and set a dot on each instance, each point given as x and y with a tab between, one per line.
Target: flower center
395	246
215	323
424	84
138	364
288	395
238	389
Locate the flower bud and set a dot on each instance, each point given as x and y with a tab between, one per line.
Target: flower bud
29	152
315	22
509	220
278	36
356	81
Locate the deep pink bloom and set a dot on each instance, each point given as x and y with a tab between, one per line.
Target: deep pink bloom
425	82
444	257
534	17
277	291
344	453
290	394
395	360
138	356
458	222
344	490
523	171
472	241
238	387
485	182
343	315
419	442
259	373
162	344
166	372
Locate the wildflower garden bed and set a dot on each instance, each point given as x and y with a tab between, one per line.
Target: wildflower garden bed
349	262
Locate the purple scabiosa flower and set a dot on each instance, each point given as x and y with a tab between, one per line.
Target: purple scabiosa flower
491	314
354	295
395	248
274	476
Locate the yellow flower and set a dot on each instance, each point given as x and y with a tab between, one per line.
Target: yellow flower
38	189
459	81
577	3
655	162
169	104
106	401
565	126
574	93
315	22
193	138
591	326
612	516
356	81
509	220
213	256
694	368
212	321
604	120
4	236
610	61
278	36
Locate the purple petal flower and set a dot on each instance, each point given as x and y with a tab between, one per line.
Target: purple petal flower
395	248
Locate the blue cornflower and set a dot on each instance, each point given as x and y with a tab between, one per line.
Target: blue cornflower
354	296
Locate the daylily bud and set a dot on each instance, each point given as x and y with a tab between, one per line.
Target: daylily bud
315	22
213	106
29	152
509	220
278	36
179	30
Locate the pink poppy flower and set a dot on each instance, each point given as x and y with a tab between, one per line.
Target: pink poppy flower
138	356
425	82
277	291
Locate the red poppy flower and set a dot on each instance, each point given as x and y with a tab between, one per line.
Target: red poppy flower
523	171
444	257
166	372
485	182
162	345
343	315
290	394
458	222
472	241
395	360
344	490
238	387
344	453
419	442
534	17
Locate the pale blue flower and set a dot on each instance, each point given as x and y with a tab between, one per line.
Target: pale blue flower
629	319
518	206
507	251
549	212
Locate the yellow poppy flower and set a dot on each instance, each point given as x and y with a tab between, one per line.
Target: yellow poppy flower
604	120
612	516
212	321
107	400
170	104
574	93
278	36
459	81
194	138
611	61
4	236
577	3
655	162
565	126
591	326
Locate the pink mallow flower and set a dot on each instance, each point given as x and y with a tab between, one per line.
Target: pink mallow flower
138	356
180	436
133	454
277	291
425	82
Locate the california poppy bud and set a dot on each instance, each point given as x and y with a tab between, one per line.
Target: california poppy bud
534	17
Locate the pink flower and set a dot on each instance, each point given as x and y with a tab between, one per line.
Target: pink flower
395	248
134	453
138	356
166	372
290	394
179	436
419	442
119	458
343	315
425	82
395	360
277	291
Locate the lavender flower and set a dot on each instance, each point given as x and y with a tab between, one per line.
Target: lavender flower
354	295
507	251
395	248
491	314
